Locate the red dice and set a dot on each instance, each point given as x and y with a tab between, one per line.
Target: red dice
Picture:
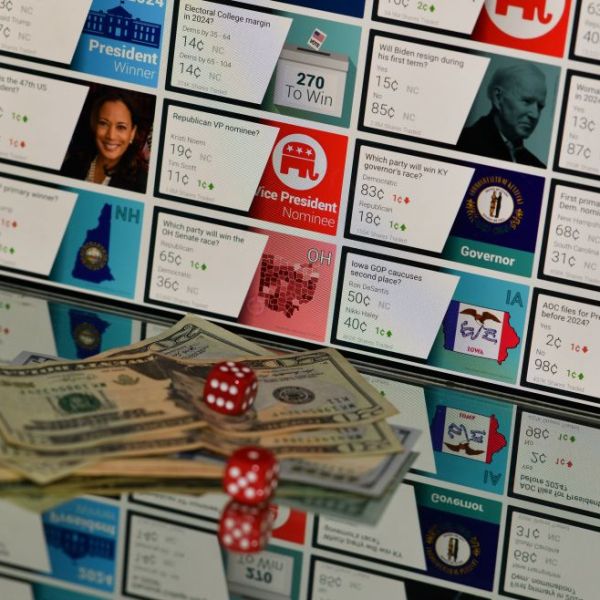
244	528
230	388
251	475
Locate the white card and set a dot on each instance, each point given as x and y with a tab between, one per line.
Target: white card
573	236
451	15
26	324
266	575
546	555
32	217
167	561
15	590
391	306
580	149
22	540
225	50
413	89
202	265
214	159
587	42
37	29
396	537
334	582
554	461
38	117
396	194
412	412
565	345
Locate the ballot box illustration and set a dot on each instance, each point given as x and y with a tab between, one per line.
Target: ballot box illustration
311	80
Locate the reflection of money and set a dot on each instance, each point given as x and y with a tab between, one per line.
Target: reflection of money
365	440
43	467
192	337
368	476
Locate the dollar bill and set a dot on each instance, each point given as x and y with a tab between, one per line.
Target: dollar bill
45	467
365	476
365	440
192	338
75	404
298	391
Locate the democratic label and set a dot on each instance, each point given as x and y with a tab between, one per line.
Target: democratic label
573	239
395	195
580	148
450	15
203	265
164	562
34	28
381	305
547	558
37	114
396	538
564	346
213	159
32	216
261	575
587	38
335	582
555	461
225	50
412	89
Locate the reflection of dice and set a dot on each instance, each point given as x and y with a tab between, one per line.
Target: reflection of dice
230	388
251	475
244	528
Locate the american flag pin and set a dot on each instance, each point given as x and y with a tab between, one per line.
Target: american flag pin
317	39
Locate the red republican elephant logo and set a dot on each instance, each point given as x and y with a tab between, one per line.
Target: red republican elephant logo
529	9
300	157
525	19
299	161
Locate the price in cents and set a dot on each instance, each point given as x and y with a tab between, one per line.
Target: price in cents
167	283
525	556
178	177
387	83
383	110
372	191
545	366
170	257
190	69
537	433
567	231
181	151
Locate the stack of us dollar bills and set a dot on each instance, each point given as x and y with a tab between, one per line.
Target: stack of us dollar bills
133	419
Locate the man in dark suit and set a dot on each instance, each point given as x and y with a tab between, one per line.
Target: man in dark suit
518	95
